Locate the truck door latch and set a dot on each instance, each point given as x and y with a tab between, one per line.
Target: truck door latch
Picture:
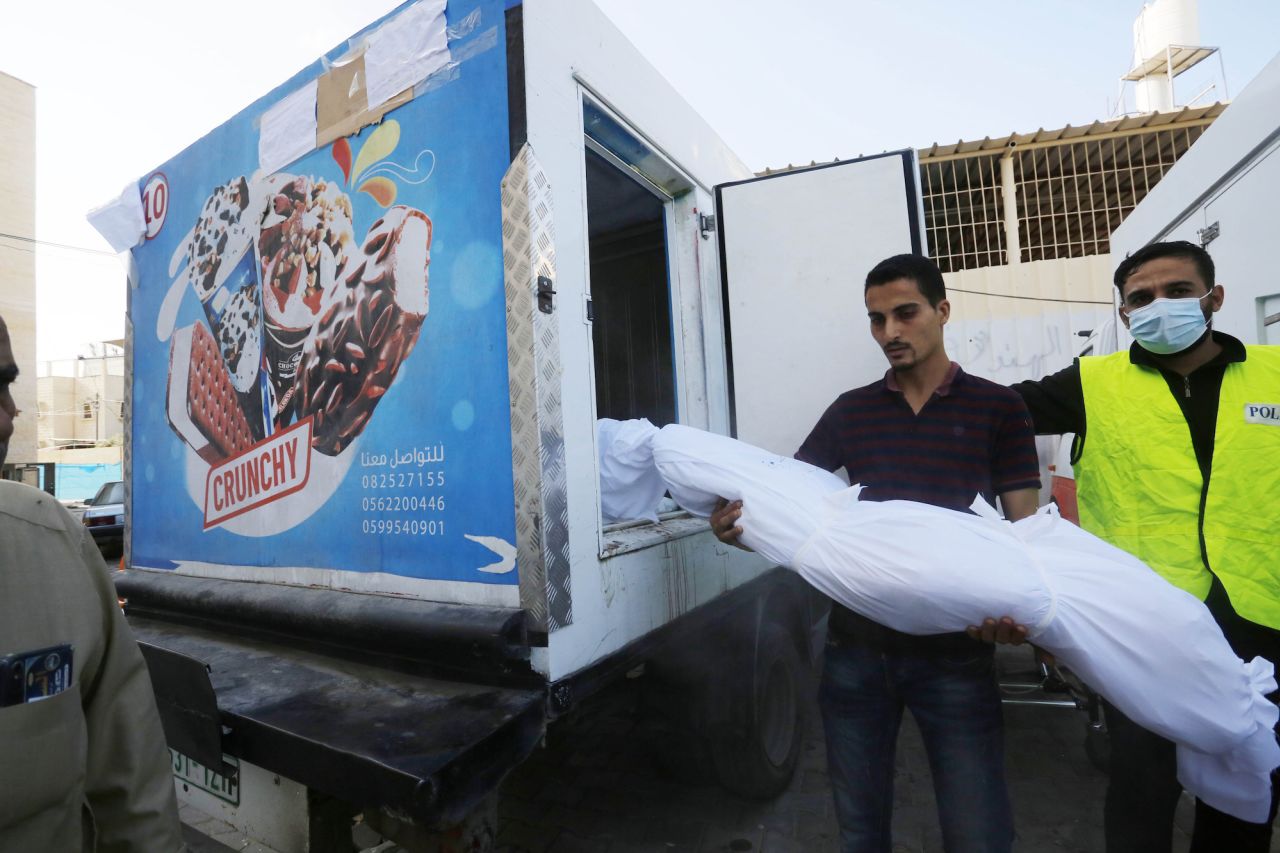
1209	233
706	224
545	293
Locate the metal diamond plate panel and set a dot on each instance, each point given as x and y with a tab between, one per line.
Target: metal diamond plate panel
537	432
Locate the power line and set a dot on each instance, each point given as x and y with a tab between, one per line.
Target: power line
72	248
951	289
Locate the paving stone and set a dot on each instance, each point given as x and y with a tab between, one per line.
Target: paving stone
520	837
816	782
561	793
616	803
782	823
568	842
732	841
816	832
775	842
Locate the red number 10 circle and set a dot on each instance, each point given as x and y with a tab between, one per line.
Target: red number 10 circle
155	203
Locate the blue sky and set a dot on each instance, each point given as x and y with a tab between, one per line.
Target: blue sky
123	86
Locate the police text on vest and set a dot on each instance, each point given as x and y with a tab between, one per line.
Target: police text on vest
1262	413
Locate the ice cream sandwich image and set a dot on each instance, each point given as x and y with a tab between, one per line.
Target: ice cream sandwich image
203	406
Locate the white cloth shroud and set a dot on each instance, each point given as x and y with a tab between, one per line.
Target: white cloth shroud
630	485
1151	649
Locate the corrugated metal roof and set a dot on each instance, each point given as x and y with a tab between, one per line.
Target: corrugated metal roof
1133	123
1125	124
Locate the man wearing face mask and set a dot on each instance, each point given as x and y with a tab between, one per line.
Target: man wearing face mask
1176	462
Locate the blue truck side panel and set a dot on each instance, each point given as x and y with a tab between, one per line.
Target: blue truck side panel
345	429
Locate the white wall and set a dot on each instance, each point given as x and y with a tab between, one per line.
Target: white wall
1034	333
1008	340
17	257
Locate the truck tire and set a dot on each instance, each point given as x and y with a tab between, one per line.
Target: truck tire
758	764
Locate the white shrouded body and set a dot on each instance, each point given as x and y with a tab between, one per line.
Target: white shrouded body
1153	650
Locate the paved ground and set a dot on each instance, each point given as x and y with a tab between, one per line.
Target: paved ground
594	788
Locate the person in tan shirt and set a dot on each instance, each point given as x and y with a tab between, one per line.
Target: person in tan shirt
84	765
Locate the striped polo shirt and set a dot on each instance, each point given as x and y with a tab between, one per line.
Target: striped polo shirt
971	437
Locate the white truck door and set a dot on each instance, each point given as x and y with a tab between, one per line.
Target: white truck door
1243	219
795	249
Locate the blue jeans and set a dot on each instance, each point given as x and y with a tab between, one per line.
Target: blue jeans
956	704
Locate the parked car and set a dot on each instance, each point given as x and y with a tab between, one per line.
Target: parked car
105	519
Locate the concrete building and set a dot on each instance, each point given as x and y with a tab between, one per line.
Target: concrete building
18	260
81	403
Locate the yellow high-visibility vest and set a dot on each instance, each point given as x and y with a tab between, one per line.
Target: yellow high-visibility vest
1140	488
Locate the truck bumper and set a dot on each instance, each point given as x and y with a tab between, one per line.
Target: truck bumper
372	731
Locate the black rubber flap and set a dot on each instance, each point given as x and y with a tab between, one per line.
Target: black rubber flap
188	706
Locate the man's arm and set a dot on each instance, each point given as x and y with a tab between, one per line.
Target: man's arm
1019	503
1015	471
1056	402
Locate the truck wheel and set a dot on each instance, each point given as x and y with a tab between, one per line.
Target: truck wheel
759	764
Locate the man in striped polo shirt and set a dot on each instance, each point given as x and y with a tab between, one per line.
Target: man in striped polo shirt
926	432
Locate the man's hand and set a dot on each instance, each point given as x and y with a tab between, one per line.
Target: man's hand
724	523
1004	631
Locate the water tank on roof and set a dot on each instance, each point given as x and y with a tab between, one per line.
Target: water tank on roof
1161	23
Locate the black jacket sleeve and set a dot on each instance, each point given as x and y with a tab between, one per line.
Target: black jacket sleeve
1056	402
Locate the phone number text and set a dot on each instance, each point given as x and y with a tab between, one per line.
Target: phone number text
402	481
403	526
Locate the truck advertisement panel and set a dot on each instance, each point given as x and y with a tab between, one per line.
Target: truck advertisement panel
320	364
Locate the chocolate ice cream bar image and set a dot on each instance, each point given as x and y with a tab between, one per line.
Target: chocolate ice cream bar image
305	236
221	236
203	406
369	323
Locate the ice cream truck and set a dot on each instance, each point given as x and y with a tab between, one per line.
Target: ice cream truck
374	319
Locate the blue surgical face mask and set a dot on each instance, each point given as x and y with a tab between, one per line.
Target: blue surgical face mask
1168	326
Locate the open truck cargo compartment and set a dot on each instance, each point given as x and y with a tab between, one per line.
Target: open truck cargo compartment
376	732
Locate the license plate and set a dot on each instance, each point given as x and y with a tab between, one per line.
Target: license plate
194	773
